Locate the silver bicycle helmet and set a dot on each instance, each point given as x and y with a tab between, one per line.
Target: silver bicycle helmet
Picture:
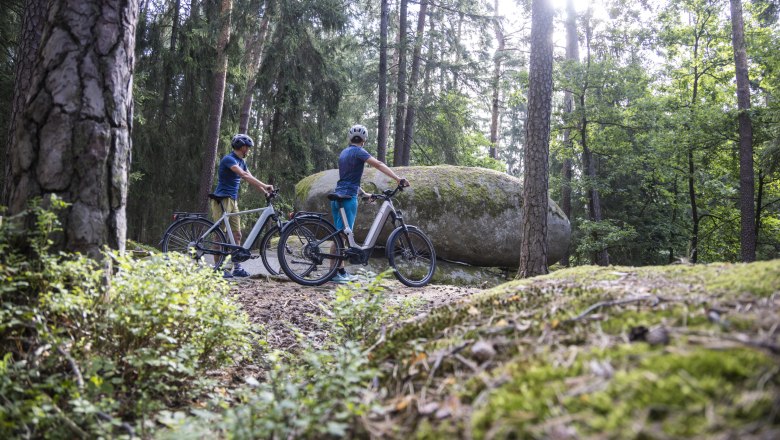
240	140
358	131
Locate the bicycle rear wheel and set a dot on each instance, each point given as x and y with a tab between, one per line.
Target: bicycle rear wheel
185	237
305	255
268	251
412	256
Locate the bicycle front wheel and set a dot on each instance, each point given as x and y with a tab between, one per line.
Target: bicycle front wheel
186	237
268	253
309	251
411	255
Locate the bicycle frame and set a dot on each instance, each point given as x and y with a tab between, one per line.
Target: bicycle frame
386	210
267	213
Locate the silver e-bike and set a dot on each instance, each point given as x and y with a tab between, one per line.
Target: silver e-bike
310	248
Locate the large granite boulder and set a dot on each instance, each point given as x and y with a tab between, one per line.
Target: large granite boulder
472	215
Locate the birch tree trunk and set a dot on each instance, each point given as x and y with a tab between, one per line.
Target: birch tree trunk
533	247
73	139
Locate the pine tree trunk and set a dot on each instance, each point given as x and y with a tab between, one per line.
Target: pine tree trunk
255	59
169	64
411	107
32	26
381	138
746	179
217	100
694	241
496	84
533	247
601	257
400	109
74	137
572	54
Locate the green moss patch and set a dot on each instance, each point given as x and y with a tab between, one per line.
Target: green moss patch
617	352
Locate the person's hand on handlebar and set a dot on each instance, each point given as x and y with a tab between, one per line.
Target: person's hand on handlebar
403	183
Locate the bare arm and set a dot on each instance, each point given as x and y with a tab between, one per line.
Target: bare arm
376	163
246	175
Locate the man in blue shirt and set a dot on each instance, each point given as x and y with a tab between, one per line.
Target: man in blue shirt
352	162
232	169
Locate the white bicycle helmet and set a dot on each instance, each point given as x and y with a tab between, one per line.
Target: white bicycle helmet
358	130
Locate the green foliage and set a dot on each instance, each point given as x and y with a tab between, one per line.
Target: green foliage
319	392
90	347
605	234
360	312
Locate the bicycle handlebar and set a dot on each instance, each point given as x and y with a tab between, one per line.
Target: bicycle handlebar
272	195
388	193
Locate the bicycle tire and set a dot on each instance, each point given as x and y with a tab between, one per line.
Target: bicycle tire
301	259
268	251
182	236
412	256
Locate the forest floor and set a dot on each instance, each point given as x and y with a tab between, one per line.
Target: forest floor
284	307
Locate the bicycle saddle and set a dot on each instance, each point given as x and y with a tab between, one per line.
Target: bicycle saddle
336	196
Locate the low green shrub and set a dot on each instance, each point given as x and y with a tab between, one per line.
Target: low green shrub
89	347
323	390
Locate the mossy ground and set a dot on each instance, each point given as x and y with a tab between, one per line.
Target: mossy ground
616	352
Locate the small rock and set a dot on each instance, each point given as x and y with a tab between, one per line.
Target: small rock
483	351
658	336
428	409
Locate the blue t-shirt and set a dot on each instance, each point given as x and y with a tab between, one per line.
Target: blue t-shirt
351	164
228	181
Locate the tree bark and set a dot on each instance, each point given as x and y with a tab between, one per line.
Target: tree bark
217	100
32	25
411	105
381	138
496	83
533	247
746	179
253	66
601	257
169	64
572	54
400	109
74	137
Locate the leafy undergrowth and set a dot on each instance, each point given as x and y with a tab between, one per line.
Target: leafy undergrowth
617	352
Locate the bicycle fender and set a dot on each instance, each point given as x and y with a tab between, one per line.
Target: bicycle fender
397	231
306	216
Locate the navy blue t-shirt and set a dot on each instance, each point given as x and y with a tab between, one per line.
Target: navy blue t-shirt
351	164
228	181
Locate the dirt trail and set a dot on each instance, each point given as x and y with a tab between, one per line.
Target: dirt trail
278	303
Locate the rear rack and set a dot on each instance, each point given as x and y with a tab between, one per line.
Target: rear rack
181	215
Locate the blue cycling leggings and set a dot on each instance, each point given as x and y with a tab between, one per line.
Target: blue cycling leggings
350	208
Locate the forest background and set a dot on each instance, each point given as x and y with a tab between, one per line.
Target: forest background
644	146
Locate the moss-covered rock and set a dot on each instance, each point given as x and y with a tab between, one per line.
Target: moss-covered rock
574	357
472	215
